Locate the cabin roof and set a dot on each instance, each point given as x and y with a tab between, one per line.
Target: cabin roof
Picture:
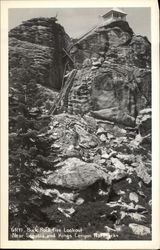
115	10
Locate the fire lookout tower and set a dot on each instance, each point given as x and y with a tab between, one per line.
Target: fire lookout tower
114	14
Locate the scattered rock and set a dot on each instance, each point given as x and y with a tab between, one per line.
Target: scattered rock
139	229
109	229
87	62
85	139
105	156
79	201
71	151
103	193
67	212
150	203
129	180
143	174
140	208
91	122
118	174
133	197
94	67
110	136
126	158
103	138
102	161
137	217
135	164
94	59
56	146
100	131
141	193
120	192
119	131
122	205
55	123
137	141
97	64
117	163
67	197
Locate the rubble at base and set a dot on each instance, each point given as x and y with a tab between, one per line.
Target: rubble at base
85	179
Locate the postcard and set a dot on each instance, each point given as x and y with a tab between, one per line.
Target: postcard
80	124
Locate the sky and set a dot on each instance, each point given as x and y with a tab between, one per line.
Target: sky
77	21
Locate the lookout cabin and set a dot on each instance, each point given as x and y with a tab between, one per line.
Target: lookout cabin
114	14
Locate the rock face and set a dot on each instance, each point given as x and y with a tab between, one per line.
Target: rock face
114	77
116	42
36	52
98	41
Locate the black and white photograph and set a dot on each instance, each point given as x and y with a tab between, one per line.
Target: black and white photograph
80	124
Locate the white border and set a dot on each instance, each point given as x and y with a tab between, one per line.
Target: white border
155	242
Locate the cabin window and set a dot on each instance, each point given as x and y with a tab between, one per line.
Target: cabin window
117	15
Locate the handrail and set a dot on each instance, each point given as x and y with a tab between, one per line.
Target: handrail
79	39
68	55
63	91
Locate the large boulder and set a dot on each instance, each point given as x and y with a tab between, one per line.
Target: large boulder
140	230
143	173
115	115
77	175
85	139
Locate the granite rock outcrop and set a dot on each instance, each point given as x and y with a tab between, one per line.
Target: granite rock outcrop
114	76
36	52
